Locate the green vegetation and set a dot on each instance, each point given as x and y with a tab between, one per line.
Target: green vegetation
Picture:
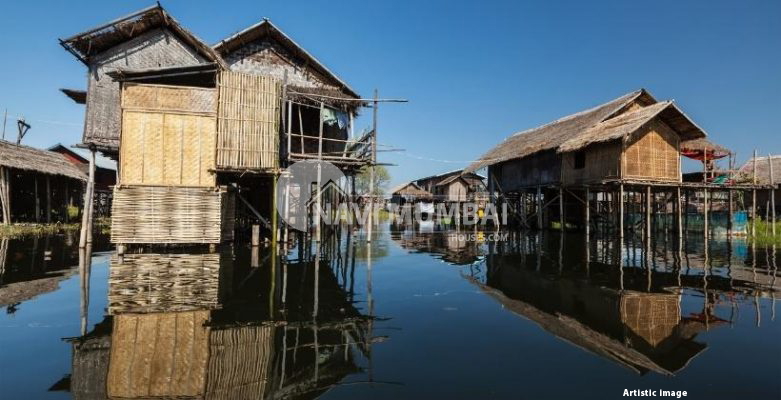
381	180
764	233
19	230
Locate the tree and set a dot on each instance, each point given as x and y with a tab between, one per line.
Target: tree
381	180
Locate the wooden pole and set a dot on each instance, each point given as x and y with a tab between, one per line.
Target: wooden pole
319	198
86	220
539	207
705	204
680	214
373	162
5	197
561	208
648	212
730	211
621	212
772	196
588	216
48	200
274	213
753	212
37	201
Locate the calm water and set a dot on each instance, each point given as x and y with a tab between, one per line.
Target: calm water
415	315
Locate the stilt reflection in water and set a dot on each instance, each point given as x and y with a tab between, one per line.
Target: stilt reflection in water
212	325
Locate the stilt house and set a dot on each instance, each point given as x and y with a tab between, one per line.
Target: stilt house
196	127
632	138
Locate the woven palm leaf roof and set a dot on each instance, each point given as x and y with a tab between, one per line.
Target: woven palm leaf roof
36	160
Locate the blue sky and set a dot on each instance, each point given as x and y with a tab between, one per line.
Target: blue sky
474	72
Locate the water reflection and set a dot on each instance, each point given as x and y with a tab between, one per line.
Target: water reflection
32	266
211	325
640	305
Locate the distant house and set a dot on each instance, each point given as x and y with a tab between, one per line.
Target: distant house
409	192
632	138
428	183
460	188
37	185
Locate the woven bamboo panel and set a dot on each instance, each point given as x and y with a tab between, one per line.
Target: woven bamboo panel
160	214
158	355
147	283
240	362
167	149
183	99
248	122
653	154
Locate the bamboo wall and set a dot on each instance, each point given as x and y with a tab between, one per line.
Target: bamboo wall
602	161
168	135
248	122
160	214
653	153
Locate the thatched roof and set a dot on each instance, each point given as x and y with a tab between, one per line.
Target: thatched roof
31	159
265	28
97	40
609	121
450	180
409	189
763	170
697	148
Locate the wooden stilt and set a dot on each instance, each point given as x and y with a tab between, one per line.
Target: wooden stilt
648	212
274	213
48	200
5	197
561	209
772	196
373	162
588	213
86	220
753	212
680	213
621	212
706	194
37	201
319	198
539	207
730	211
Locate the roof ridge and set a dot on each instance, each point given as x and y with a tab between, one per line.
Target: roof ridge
630	96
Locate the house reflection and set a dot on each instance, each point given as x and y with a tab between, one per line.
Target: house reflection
212	326
605	299
32	266
454	247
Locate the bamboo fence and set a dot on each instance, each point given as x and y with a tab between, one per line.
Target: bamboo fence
248	122
171	215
